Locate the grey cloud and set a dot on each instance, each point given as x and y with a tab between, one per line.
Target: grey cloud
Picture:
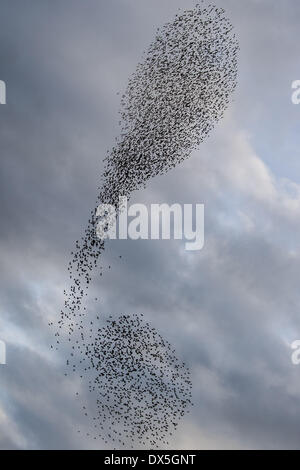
230	310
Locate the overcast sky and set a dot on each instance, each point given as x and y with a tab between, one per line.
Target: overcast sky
232	309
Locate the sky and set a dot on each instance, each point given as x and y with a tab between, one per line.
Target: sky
231	310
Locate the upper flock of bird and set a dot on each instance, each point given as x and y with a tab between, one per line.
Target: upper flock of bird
177	94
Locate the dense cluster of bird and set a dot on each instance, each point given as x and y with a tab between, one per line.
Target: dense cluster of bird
140	388
179	91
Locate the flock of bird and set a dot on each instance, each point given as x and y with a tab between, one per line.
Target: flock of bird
139	387
177	94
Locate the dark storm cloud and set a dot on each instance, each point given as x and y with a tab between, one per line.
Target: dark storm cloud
231	309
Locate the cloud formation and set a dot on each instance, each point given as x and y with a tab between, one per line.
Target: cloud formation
231	309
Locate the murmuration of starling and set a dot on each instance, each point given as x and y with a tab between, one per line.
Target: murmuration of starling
177	94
